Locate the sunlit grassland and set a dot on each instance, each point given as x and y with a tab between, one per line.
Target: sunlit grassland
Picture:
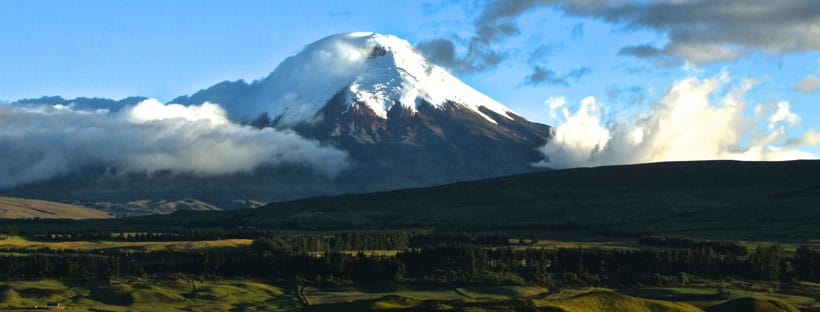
598	300
188	294
148	295
611	301
21	243
705	297
369	253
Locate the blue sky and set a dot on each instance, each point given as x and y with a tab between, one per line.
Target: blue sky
163	49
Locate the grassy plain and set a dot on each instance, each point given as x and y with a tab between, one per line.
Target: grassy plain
23	208
16	242
707	297
147	295
524	298
186	294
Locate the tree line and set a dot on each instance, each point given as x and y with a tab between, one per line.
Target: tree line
436	261
719	246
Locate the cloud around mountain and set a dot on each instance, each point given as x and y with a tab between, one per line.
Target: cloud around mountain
42	141
693	120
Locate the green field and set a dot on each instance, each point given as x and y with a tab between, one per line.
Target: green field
147	295
184	294
16	242
526	298
24	208
706	297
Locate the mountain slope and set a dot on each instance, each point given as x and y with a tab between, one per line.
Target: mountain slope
22	208
710	199
372	71
776	200
405	121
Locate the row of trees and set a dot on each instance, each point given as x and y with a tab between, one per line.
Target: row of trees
719	246
441	263
305	242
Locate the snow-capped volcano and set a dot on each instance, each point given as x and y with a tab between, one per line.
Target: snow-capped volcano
398	120
404	121
372	70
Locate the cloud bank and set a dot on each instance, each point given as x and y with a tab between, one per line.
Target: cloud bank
705	31
698	31
495	23
541	75
810	84
45	141
684	124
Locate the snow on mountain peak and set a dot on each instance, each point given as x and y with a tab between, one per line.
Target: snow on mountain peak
374	70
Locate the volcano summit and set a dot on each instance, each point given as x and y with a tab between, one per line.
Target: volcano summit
403	122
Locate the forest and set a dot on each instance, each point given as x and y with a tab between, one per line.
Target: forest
425	258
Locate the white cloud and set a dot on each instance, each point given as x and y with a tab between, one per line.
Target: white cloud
810	138
42	142
701	53
555	104
580	136
681	125
783	115
809	84
152	109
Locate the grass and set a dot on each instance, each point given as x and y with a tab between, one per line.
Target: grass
791	299
503	292
247	295
589	301
23	208
611	301
148	295
342	295
390	302
788	248
19	242
374	252
753	305
604	244
706	297
517	298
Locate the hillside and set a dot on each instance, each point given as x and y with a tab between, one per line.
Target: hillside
21	208
595	301
711	199
611	301
719	198
752	305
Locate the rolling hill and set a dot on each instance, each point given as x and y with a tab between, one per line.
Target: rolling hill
752	305
21	208
775	201
778	200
